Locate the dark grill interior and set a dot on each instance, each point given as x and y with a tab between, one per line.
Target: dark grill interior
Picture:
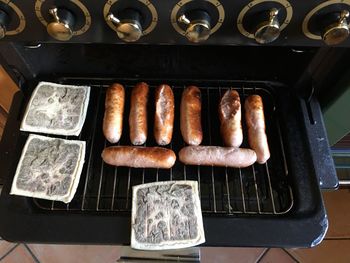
258	189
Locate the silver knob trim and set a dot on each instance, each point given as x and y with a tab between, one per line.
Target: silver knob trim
268	31
127	30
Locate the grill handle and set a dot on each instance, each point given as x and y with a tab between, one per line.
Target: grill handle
319	145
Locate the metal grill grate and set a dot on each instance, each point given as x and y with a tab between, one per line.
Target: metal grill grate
258	189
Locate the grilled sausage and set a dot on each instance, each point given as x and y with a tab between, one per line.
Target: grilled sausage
230	119
139	157
217	156
138	114
164	115
190	116
254	114
114	109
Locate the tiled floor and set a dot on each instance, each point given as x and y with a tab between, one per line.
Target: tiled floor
335	248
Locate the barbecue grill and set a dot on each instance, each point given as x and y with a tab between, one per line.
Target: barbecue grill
277	204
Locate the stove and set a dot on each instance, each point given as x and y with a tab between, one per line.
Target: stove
284	51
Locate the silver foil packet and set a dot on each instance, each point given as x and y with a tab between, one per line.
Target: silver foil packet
49	168
56	109
166	215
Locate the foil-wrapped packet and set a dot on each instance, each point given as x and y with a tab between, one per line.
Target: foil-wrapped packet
56	109
166	215
49	168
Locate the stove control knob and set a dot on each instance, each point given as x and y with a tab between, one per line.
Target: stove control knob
61	28
338	31
268	30
128	25
198	25
4	20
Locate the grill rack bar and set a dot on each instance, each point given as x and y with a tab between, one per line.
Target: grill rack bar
90	154
224	191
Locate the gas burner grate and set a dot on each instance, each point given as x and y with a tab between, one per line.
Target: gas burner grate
256	190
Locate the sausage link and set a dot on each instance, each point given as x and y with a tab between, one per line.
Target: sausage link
164	115
230	119
217	156
254	114
139	157
138	114
190	116
114	109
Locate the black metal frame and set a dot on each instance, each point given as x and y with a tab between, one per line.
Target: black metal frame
308	157
303	226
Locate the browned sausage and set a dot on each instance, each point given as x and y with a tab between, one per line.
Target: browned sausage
254	114
114	109
138	114
230	118
190	116
217	156
164	115
139	157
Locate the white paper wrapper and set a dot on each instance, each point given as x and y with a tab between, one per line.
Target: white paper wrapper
56	109
49	168
166	215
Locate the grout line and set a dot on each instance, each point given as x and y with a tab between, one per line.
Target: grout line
336	238
262	255
289	254
32	253
8	252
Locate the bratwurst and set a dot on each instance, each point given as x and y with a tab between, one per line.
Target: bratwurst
139	157
164	115
114	109
190	116
217	156
138	114
254	115
230	119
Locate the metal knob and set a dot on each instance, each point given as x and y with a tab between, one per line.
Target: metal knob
337	32
128	25
4	19
269	30
61	26
198	25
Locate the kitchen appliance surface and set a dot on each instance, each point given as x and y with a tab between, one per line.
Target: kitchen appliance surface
213	45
